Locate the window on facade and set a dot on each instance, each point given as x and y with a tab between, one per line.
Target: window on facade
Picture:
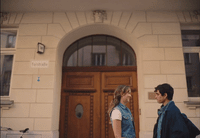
187	58
191	48
189	83
190	38
98	59
99	50
8	39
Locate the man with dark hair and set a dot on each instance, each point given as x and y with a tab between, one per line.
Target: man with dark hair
170	122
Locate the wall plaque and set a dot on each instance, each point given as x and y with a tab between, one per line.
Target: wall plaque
151	95
39	64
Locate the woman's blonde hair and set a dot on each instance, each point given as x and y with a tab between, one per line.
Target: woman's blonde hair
121	89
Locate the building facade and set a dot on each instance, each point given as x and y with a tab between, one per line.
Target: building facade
36	89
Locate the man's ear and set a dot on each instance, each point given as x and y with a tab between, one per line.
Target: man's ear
165	95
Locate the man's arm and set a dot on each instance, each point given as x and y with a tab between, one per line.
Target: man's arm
117	128
178	127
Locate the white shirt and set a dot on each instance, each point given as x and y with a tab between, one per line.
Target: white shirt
116	115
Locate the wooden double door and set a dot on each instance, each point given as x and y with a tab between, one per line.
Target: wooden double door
85	99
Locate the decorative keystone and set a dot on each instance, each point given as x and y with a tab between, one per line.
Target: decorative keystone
99	16
4	16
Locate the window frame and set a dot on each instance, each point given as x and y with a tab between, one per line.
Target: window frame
192	50
75	47
193	102
95	62
188	57
9	51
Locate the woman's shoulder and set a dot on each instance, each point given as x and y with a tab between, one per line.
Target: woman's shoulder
114	110
116	114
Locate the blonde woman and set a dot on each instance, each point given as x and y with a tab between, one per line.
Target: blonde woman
120	116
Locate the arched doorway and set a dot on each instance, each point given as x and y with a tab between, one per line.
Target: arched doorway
93	67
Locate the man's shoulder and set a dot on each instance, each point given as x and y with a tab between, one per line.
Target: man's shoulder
173	113
173	108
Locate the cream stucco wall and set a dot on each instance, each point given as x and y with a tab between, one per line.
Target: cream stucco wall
154	36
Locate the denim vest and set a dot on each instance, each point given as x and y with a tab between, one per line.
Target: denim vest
127	123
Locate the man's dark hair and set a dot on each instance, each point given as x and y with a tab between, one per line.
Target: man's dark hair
165	88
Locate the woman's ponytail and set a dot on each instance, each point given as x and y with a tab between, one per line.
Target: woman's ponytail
117	97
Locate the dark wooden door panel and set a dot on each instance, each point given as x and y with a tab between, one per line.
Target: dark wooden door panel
107	131
79	127
110	81
79	81
84	89
94	91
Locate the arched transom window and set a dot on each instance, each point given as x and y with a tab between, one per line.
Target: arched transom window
99	50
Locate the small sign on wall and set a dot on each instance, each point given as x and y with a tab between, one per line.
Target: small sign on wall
39	64
151	95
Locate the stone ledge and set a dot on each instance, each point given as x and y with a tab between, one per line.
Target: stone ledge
192	104
30	134
6	104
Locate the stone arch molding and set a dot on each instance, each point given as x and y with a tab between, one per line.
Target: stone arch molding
93	29
76	34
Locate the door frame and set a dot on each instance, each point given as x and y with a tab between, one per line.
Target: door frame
100	69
